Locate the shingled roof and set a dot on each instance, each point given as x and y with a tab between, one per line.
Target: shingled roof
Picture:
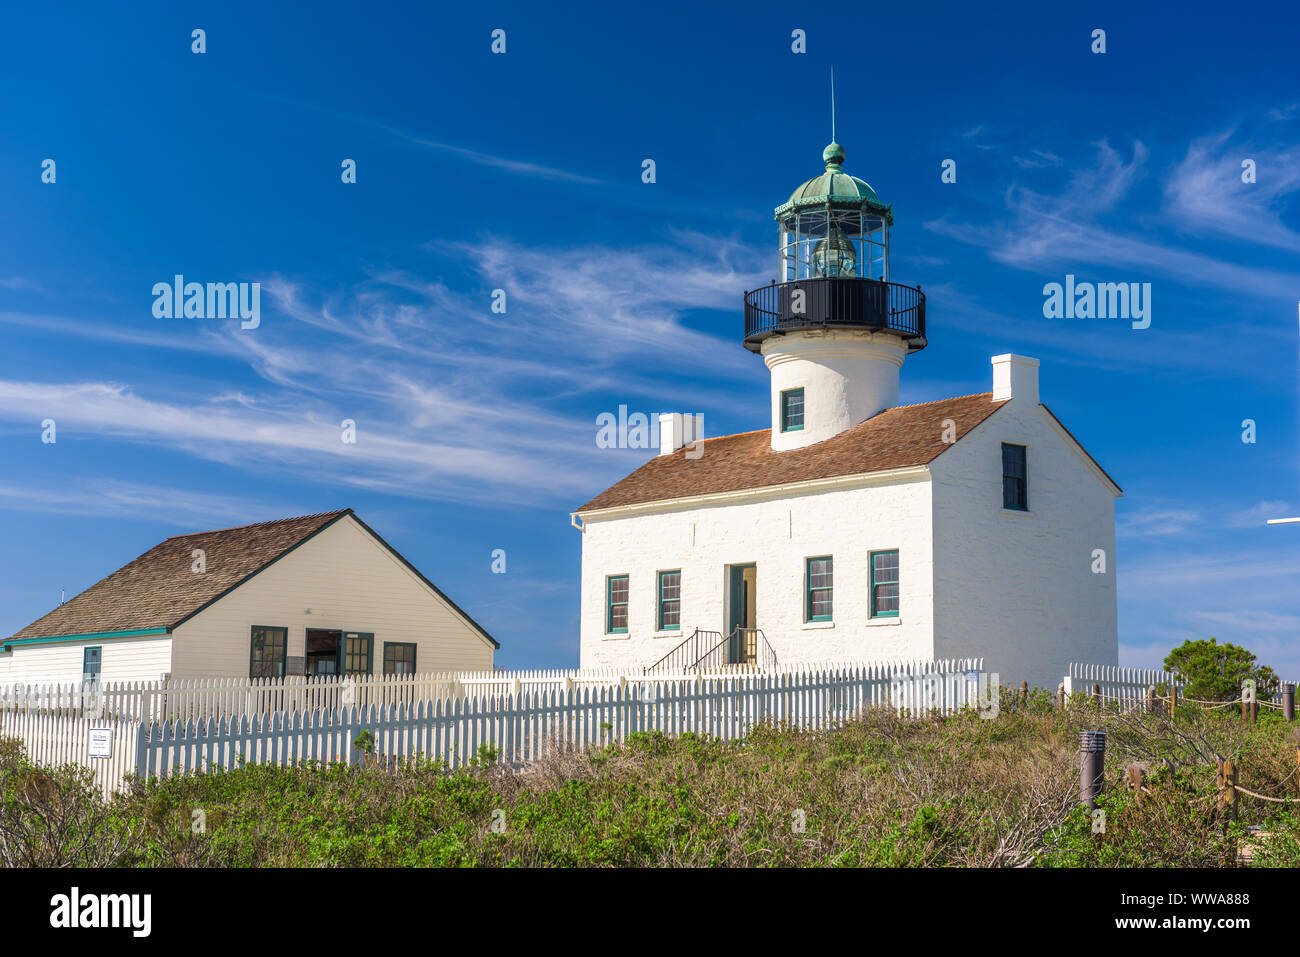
159	590
906	435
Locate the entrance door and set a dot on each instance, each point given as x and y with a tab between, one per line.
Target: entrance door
324	652
741	607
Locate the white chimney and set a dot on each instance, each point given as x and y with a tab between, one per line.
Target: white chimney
677	429
1015	377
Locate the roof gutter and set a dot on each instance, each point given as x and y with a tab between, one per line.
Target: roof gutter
90	636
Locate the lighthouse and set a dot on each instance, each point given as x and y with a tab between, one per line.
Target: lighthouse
833	329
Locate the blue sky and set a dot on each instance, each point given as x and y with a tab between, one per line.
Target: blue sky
522	171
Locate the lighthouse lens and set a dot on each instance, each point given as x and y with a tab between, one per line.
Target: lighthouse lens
834	255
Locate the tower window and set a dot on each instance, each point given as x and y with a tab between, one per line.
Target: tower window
884	584
792	410
1015	478
820	591
616	604
670	600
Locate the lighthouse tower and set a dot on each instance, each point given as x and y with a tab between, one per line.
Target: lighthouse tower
833	329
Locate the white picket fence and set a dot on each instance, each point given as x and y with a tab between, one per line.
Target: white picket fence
523	727
54	740
1129	686
200	699
519	715
1125	686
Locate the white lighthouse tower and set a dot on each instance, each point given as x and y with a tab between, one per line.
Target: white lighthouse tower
833	330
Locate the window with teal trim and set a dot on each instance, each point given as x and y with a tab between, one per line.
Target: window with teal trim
792	410
670	600
616	604
267	651
92	663
820	587
884	584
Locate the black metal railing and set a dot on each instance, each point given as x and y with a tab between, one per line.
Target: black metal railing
705	650
684	655
835	301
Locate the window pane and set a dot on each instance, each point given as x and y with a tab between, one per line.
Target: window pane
1014	477
792	409
819	587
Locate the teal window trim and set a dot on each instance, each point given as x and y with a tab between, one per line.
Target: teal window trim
786	414
876	583
611	605
811	593
86	673
393	659
675	602
362	636
252	648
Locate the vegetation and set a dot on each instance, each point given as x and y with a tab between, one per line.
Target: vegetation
1214	672
882	790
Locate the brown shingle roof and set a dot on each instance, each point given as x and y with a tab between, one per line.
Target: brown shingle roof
896	438
159	590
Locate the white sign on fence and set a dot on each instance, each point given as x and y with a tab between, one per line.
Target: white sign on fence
100	742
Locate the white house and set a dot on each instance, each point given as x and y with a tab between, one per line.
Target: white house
315	595
855	528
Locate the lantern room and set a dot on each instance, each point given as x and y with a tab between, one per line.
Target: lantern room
834	225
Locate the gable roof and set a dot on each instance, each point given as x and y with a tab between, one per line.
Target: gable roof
899	437
157	592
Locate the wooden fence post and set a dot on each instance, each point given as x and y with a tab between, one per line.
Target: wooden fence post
1096	696
1136	779
1024	693
1151	699
1288	701
1228	787
1060	696
1173	700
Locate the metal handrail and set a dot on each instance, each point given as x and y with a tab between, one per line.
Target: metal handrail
713	649
835	301
681	657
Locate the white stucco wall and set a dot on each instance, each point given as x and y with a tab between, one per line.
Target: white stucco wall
145	658
351	583
1018	587
847	377
777	531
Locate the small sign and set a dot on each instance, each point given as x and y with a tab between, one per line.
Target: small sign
972	675
101	742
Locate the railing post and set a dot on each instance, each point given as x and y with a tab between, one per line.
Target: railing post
1288	701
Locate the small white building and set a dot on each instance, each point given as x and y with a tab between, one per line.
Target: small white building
316	595
854	528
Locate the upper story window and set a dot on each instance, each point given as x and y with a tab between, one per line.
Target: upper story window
792	410
1015	477
884	584
819	604
670	600
399	658
616	604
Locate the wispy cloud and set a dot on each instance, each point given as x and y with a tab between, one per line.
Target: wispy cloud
1069	229
451	401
